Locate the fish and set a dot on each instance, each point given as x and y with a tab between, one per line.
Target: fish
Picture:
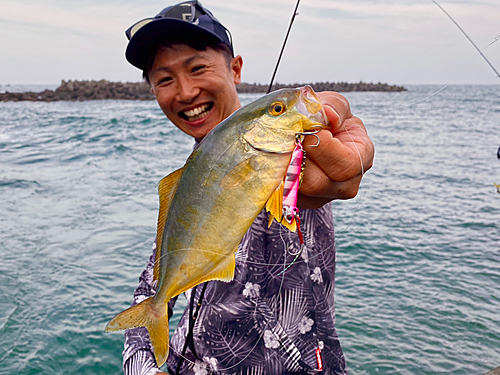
207	206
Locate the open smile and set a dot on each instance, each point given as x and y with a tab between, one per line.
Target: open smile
196	113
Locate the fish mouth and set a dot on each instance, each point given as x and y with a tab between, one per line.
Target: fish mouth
196	113
310	106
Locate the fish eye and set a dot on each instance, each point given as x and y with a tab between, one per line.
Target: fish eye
277	108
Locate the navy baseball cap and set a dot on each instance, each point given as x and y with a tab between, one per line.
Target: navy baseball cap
183	22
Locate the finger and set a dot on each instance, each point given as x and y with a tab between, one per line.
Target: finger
308	201
338	161
336	107
317	184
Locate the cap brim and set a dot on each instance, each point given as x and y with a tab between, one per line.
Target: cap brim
164	30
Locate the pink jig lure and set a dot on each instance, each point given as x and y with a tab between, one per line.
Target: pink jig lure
292	182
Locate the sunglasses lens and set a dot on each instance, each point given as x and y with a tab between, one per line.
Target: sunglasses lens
181	12
137	26
185	11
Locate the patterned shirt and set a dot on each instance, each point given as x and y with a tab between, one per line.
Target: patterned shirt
276	317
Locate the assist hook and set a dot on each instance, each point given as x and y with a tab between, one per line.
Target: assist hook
301	135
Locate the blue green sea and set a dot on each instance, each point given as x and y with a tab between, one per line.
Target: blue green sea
418	250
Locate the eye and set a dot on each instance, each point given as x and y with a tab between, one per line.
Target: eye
197	68
164	80
277	108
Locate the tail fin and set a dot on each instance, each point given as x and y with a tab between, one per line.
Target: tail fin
146	314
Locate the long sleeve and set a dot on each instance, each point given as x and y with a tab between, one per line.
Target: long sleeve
138	355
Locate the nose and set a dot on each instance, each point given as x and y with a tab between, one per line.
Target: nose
187	90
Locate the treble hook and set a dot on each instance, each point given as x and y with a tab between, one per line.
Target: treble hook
314	133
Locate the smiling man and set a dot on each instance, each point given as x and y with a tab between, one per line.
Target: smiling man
265	321
195	89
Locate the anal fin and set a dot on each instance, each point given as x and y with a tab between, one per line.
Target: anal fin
224	270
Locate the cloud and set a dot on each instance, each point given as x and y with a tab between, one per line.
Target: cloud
388	40
90	19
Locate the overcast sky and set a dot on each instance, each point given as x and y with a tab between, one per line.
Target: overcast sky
393	41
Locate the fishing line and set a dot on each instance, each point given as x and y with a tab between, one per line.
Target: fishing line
470	40
182	355
480	53
298	253
268	91
295	254
286	250
283	47
279	294
216	253
360	190
284	237
451	81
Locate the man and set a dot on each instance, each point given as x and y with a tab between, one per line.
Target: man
277	315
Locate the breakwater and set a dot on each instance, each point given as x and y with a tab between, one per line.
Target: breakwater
103	89
323	86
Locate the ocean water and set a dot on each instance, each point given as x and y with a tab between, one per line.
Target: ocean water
26	88
418	257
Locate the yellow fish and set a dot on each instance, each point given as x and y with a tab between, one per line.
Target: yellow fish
207	206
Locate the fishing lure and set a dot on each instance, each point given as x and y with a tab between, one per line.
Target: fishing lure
292	183
284	210
293	180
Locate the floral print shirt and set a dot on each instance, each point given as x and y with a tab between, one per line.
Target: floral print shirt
276	317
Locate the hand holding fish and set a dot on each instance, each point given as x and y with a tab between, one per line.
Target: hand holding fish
333	168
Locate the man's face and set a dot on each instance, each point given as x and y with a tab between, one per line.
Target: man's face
195	89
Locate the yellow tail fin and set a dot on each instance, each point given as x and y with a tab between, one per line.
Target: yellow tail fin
146	314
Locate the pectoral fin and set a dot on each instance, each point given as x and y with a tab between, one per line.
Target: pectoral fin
166	190
240	174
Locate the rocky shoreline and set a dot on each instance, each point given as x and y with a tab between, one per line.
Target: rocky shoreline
323	86
100	90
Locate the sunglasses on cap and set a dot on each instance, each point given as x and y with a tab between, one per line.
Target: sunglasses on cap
189	12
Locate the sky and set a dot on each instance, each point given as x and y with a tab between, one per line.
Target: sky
390	41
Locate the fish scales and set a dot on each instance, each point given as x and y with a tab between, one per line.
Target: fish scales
208	205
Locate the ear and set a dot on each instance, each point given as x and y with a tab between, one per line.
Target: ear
236	65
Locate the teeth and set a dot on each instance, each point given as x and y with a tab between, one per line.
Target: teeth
196	111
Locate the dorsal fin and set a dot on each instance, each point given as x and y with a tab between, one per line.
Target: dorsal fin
166	190
274	204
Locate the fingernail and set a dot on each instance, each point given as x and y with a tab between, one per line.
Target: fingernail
337	116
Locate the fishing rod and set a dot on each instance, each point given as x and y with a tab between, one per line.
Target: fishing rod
283	47
470	40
